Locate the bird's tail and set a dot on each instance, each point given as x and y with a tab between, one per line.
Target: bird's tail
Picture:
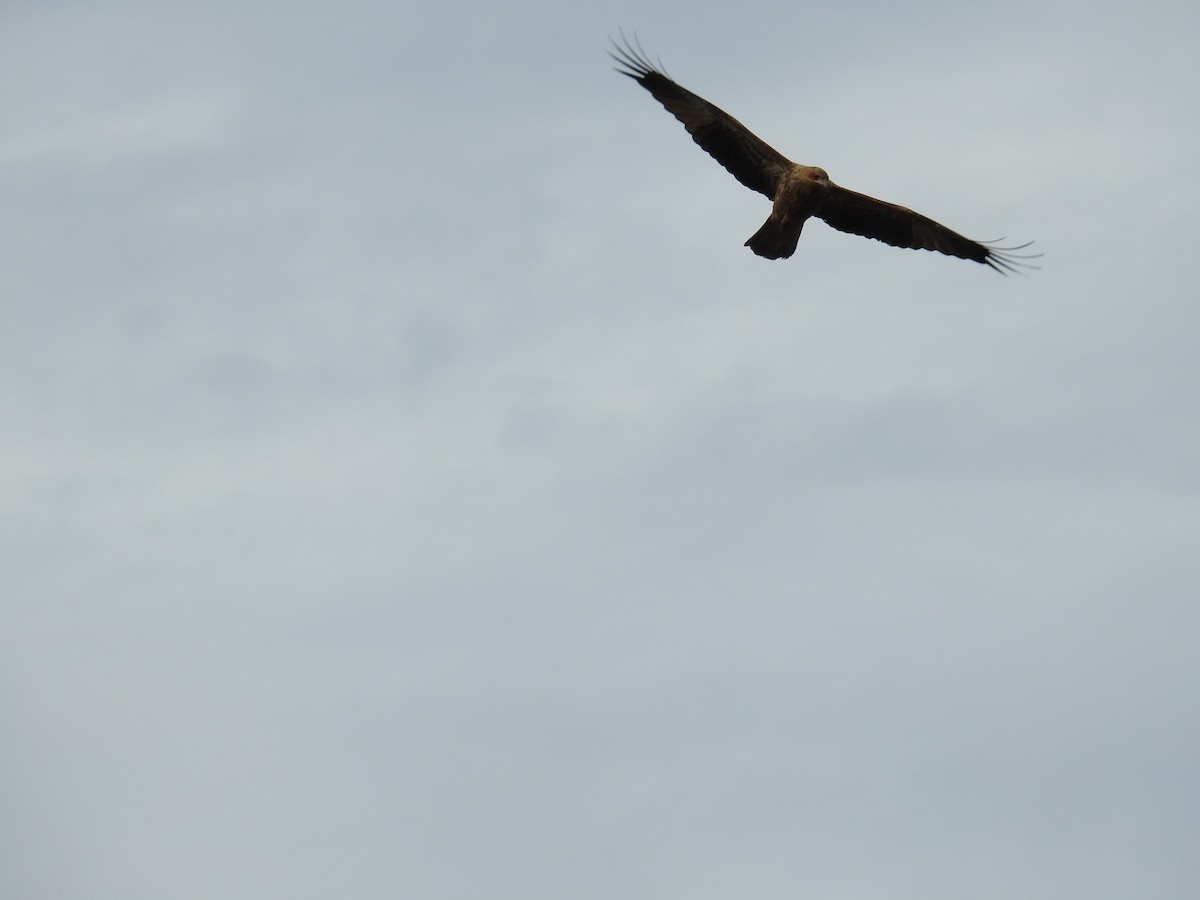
775	240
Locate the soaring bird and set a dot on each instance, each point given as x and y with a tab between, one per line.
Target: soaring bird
799	192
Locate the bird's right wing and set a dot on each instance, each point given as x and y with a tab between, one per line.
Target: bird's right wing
899	226
747	157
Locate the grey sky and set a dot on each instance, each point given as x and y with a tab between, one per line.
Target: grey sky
413	488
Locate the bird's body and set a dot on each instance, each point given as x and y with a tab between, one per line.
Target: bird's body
799	192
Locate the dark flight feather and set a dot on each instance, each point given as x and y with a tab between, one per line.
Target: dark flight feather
748	158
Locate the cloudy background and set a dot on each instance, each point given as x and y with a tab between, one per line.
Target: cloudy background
413	489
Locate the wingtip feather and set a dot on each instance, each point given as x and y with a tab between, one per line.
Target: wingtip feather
1008	262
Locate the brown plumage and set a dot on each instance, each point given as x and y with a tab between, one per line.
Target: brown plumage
799	192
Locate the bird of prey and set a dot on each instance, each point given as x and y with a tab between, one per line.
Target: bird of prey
799	192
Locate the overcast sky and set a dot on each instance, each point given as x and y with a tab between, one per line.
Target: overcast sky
412	488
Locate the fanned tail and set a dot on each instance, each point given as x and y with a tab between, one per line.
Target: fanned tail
775	240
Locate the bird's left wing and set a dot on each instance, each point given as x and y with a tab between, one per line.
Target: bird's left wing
747	157
899	226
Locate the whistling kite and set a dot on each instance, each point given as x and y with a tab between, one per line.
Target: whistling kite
800	191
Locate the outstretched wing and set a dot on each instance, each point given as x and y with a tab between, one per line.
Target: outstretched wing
899	226
749	159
